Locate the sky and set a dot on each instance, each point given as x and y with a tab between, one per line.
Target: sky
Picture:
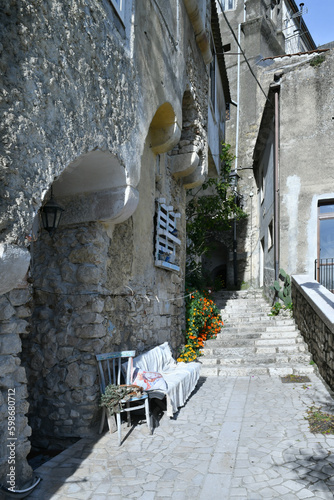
319	19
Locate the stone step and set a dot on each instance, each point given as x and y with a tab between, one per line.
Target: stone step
245	318
225	338
258	359
243	306
245	371
245	350
254	343
244	303
278	330
265	321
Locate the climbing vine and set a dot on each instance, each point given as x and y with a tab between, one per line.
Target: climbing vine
211	209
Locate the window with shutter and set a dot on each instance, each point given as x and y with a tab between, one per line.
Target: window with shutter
167	243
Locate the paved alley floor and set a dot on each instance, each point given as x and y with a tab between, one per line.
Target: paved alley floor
242	438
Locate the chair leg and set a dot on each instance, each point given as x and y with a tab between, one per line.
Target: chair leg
111	422
147	414
119	428
102	419
128	416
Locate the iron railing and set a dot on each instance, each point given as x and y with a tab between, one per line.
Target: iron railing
324	273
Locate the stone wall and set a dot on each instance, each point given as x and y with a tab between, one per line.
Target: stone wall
96	289
79	96
68	77
14	323
313	308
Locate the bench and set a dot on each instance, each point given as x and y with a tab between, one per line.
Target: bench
181	378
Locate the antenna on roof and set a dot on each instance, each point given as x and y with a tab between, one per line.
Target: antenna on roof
300	12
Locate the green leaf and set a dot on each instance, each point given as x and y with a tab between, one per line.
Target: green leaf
282	274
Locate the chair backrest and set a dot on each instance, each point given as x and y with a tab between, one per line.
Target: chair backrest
110	367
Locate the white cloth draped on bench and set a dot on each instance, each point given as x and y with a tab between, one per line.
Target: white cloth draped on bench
181	378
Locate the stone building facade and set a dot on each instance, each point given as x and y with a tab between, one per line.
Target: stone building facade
110	109
293	166
262	29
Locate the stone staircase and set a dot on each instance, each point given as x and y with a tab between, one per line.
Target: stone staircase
253	343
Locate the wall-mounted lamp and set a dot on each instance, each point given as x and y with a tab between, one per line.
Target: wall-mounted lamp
51	214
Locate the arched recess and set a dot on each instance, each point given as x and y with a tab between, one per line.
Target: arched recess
70	321
94	188
217	263
187	160
164	132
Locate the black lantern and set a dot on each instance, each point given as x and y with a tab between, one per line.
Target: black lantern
51	214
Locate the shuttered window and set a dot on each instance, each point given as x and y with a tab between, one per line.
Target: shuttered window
167	243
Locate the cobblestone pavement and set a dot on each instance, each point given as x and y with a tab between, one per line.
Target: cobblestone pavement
240	438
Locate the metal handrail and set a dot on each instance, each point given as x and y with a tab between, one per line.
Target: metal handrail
324	273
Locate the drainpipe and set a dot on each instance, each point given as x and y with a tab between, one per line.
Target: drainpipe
238	105
238	92
276	181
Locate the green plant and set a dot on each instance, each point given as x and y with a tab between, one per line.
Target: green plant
115	396
316	61
210	211
276	309
320	422
284	292
203	323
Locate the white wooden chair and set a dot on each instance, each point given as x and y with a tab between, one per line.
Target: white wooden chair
110	370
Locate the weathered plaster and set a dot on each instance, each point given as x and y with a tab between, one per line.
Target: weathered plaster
291	201
14	264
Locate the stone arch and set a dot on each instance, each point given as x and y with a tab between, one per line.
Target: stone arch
94	187
164	131
188	156
72	299
216	265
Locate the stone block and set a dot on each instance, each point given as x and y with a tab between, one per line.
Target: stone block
50	356
68	272
89	274
19	297
86	255
22	326
7	365
37	361
10	344
88	318
97	305
89	379
7	327
21	392
91	331
76	396
64	352
6	309
73	377
23	312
